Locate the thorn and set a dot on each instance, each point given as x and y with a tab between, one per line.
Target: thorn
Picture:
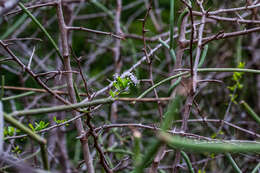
145	30
141	20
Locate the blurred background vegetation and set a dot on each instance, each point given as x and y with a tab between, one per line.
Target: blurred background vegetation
215	100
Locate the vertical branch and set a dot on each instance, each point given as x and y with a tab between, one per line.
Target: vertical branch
171	23
69	80
118	63
199	47
149	61
189	6
190	97
152	15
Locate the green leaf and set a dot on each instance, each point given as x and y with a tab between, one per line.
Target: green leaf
112	94
126	92
214	136
117	85
212	155
38	126
11	131
31	126
125	82
200	171
55	119
232	88
241	65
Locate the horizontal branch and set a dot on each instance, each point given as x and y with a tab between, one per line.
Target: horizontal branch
235	9
94	31
224	36
199	70
84	104
212	146
227	19
111	100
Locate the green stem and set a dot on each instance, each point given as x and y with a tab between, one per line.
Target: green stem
256	168
151	152
137	149
121	151
233	163
172	53
239	50
160	83
44	154
199	70
187	160
62	108
170	115
172	112
228	70
42	28
203	56
102	7
171	24
18	95
111	100
214	146
180	19
13	27
250	111
174	85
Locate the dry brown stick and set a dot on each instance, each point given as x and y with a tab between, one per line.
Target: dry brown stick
192	35
16	59
37	90
225	35
70	28
199	47
33	6
157	26
227	19
234	9
69	79
81	74
190	97
97	146
117	66
149	60
104	127
22	39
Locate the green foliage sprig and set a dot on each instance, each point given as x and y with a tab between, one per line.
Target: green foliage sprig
122	85
59	121
16	150
10	131
236	78
38	126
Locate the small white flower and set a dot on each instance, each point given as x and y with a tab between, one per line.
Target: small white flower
133	79
115	76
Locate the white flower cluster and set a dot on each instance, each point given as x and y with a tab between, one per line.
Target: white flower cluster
133	78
